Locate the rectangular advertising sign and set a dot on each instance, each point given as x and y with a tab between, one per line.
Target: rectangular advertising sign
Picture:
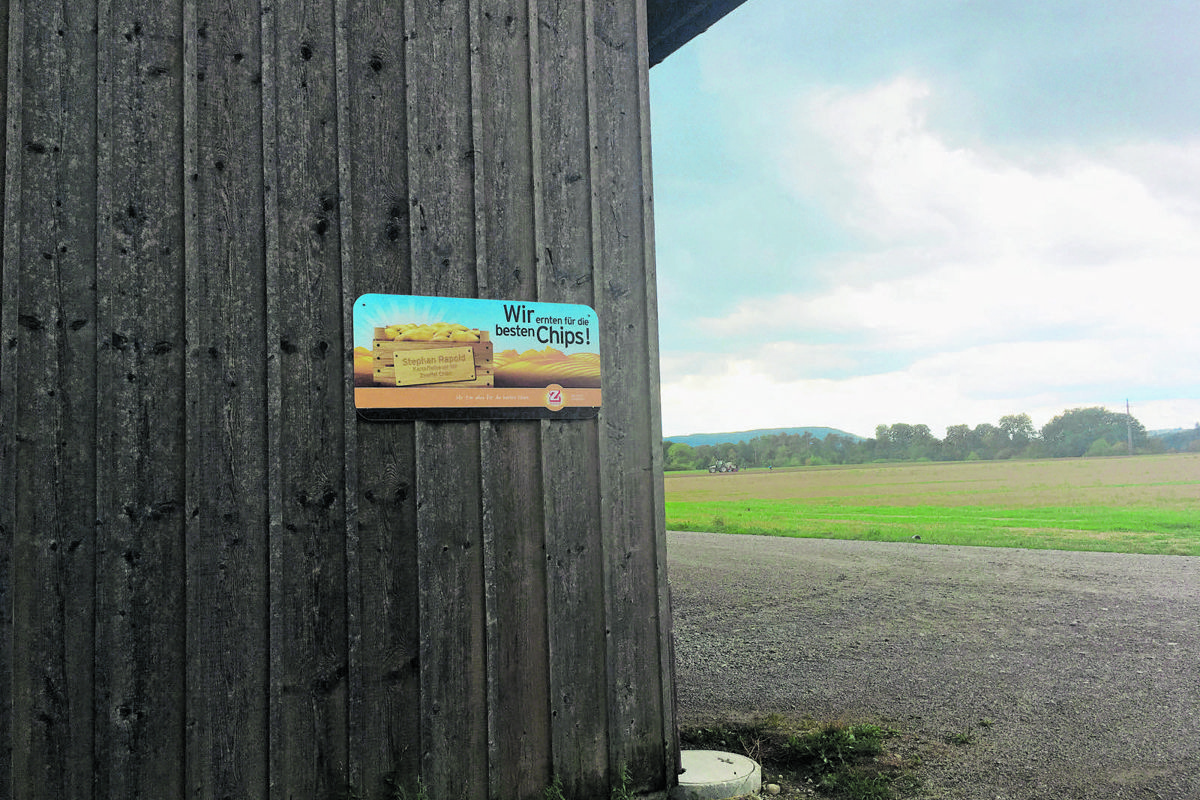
465	358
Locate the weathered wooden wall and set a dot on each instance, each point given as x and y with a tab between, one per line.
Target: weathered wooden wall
217	582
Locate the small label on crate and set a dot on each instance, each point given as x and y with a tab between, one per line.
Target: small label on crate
440	365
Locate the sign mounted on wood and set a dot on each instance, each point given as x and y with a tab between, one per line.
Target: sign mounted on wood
465	358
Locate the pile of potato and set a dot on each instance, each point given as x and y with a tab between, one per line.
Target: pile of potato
432	332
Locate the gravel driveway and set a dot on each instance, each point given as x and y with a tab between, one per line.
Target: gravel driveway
1085	666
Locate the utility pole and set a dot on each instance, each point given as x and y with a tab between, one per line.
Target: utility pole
1128	427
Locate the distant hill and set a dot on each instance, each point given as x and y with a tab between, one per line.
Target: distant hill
697	439
1178	439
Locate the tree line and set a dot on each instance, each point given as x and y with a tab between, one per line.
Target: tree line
1091	432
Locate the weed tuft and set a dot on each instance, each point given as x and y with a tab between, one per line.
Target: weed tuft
395	790
622	791
832	749
961	738
844	761
554	791
774	720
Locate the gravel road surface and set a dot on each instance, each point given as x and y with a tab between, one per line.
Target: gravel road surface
1083	668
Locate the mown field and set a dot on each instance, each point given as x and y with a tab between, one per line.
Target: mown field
1144	504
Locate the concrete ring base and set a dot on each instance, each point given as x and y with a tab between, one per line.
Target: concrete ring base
715	775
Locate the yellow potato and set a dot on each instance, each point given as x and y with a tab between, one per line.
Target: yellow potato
432	332
419	334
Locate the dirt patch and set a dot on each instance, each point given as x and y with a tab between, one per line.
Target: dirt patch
1065	675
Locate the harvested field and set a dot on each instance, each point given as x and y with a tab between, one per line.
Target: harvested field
1145	504
1105	481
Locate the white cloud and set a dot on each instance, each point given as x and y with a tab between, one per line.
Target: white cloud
1081	243
910	185
744	397
946	305
948	389
782	359
982	286
1131	366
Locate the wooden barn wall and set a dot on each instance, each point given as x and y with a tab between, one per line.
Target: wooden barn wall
217	582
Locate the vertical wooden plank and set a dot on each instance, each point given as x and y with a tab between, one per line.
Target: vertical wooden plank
453	665
504	156
277	606
629	431
4	87
449	525
664	628
308	567
227	485
519	729
382	588
49	372
513	523
10	187
140	613
4	33
575	604
574	557
351	553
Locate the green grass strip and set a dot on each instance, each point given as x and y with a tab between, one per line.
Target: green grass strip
1125	529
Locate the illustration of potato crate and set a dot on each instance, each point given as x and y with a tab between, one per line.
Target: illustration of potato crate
432	356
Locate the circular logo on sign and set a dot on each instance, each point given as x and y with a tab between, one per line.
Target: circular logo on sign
554	397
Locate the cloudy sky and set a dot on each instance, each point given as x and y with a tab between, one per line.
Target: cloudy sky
930	212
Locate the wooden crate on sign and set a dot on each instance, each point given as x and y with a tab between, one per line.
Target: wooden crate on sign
390	369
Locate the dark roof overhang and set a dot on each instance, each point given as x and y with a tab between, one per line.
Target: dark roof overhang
674	23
